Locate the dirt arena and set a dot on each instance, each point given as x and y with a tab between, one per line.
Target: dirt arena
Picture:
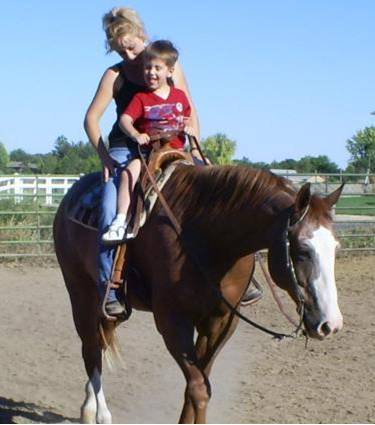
255	379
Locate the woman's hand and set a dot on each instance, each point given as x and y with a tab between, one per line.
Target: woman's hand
108	163
109	166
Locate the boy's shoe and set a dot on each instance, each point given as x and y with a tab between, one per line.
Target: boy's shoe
114	308
115	233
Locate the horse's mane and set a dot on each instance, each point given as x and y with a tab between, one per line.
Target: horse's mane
212	191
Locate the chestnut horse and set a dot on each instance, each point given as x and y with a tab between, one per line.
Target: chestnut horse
226	215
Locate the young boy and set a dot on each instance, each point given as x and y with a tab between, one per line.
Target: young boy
162	109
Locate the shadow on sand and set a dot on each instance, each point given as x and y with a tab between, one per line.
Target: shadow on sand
12	412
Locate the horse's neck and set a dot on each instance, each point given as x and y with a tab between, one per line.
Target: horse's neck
246	231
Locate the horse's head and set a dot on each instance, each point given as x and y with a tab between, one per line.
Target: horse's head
302	260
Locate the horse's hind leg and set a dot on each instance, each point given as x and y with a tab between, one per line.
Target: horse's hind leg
84	299
178	334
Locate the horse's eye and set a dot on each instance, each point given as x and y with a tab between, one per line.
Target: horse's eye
303	255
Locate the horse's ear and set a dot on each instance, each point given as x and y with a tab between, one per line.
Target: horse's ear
333	197
302	203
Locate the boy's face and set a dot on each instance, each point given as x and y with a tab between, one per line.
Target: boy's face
156	73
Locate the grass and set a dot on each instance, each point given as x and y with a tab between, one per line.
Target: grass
356	205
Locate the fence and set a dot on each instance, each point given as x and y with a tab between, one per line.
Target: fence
27	208
28	205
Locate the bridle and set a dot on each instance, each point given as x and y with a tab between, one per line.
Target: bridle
290	264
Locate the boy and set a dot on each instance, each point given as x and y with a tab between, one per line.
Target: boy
162	109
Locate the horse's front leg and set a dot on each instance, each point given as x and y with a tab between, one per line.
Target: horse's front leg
178	335
94	408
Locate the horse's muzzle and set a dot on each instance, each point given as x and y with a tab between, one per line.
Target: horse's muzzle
324	328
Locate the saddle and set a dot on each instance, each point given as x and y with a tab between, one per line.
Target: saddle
161	163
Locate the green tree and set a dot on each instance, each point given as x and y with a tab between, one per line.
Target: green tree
4	158
21	156
246	161
286	164
62	147
219	149
320	164
362	150
47	163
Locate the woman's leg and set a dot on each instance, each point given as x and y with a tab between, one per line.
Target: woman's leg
106	253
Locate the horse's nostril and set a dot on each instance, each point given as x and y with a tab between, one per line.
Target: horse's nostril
325	328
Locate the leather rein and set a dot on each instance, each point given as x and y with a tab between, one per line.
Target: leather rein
290	266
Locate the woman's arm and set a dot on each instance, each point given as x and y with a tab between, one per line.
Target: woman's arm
181	83
100	102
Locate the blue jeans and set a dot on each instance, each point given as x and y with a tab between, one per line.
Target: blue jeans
108	212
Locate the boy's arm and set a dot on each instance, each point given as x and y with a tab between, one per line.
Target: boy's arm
126	125
131	114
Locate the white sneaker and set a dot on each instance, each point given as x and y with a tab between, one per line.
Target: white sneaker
115	233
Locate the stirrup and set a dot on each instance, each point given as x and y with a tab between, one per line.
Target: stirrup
127	308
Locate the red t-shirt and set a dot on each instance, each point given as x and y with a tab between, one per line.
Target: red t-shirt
153	115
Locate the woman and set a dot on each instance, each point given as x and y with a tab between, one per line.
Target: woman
126	36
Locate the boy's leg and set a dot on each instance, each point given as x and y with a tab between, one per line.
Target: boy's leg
128	179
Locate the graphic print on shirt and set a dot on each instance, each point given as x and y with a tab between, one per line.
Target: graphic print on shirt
166	117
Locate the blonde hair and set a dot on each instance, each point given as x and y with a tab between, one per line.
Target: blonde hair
121	21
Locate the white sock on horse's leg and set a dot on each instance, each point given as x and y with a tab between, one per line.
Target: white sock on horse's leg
94	408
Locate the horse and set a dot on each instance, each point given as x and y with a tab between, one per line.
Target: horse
194	280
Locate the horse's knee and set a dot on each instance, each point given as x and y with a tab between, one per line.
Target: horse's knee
198	392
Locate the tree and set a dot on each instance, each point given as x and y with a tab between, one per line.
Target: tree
62	147
362	150
21	156
246	161
320	164
286	164
219	149
4	157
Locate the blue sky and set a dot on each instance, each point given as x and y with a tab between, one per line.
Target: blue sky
284	78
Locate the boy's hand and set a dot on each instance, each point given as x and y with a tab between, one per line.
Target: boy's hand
189	130
142	139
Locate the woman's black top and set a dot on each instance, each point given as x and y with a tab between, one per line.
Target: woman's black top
116	137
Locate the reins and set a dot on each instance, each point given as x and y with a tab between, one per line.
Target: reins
177	227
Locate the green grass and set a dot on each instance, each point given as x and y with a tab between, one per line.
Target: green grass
358	205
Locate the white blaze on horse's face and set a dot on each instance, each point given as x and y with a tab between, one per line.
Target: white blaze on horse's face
326	314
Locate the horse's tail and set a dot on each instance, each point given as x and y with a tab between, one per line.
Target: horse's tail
109	343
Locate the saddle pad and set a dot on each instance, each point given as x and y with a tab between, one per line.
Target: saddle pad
151	196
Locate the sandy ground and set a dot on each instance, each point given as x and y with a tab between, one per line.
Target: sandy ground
255	379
